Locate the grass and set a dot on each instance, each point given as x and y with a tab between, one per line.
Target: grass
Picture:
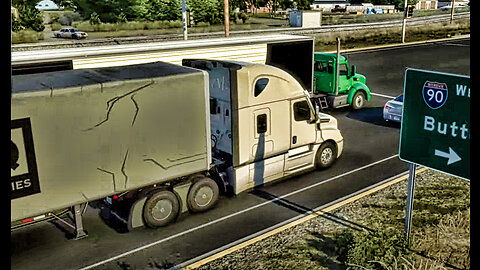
26	36
365	38
368	233
440	227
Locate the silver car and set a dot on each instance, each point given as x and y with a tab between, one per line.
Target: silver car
392	111
70	33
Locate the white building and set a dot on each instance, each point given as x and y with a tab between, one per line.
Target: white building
448	3
327	5
46	5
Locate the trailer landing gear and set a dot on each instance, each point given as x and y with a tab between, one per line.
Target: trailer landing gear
74	231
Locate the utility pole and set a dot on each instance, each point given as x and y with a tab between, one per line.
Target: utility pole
404	25
453	11
184	19
227	18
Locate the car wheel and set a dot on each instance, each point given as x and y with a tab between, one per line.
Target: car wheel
358	100
326	155
203	195
161	208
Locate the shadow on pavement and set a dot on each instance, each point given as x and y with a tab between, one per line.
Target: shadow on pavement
372	116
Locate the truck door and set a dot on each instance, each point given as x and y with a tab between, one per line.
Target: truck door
344	82
303	135
323	72
302	132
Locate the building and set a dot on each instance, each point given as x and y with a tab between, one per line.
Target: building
328	5
46	5
368	8
305	18
427	4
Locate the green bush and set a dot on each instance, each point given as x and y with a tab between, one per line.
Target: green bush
112	27
379	249
26	36
68	17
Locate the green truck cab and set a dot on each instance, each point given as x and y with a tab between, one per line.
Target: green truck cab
352	87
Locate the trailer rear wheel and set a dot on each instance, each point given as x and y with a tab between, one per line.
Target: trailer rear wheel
203	195
160	209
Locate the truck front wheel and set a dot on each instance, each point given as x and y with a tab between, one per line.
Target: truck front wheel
203	195
358	100
326	155
160	209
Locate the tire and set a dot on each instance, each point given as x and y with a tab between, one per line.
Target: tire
203	195
358	100
326	155
160	209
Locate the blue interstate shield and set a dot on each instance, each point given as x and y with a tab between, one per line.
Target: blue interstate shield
435	94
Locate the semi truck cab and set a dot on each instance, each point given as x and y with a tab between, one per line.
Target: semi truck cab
263	124
352	86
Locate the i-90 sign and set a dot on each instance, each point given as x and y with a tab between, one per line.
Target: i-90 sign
435	128
435	94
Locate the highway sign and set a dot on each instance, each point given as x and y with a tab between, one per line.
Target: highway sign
435	128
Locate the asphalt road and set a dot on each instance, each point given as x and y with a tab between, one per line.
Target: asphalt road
370	156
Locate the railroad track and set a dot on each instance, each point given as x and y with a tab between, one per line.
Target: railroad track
289	30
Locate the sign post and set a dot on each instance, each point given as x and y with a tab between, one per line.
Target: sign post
411	189
435	128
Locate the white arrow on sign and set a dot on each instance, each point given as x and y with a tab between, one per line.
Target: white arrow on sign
452	156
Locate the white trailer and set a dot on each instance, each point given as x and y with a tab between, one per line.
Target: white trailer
160	138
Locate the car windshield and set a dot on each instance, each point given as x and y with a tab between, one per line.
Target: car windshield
399	98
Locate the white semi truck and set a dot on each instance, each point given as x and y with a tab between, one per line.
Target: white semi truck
160	138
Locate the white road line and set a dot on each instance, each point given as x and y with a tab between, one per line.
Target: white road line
402	45
456	44
381	95
281	224
234	214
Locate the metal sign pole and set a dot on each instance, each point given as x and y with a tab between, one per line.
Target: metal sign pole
404	25
411	189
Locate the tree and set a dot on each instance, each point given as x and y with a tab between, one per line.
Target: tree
111	10
210	11
161	10
28	16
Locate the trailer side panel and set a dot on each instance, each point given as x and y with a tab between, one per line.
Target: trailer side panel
103	131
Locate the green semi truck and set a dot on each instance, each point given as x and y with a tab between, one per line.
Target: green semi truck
350	88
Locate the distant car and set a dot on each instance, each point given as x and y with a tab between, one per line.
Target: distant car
70	33
392	111
450	7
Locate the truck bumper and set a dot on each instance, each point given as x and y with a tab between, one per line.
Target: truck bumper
339	148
